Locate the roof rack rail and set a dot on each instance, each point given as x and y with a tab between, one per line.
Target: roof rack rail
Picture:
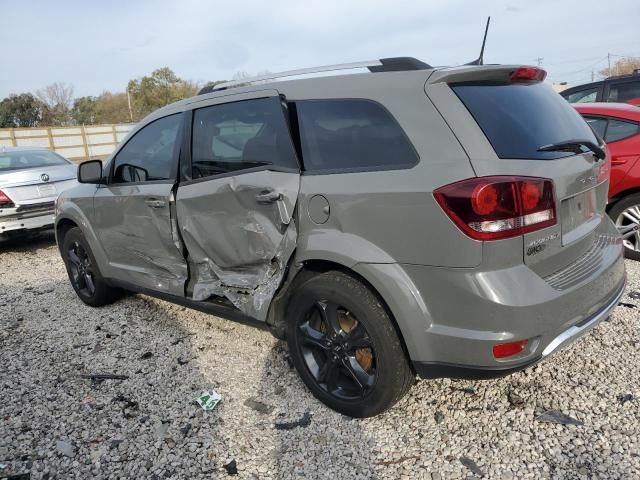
394	64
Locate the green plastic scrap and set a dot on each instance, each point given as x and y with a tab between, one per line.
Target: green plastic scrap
209	400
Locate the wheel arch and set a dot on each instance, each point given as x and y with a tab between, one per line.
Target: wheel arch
621	195
300	271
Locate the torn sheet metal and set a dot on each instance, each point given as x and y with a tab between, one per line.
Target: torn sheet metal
238	244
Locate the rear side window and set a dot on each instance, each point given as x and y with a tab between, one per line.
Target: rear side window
582	96
619	130
623	92
351	135
241	135
519	119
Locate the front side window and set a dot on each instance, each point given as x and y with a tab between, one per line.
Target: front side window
624	92
21	159
583	96
351	135
619	130
241	135
149	155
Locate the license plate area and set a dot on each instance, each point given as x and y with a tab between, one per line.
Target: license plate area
578	213
47	190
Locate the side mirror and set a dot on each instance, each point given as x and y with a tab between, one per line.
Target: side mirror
90	172
131	173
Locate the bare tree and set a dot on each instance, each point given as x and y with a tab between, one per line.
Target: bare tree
58	98
58	94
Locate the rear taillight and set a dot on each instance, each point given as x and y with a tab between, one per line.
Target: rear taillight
526	74
5	201
491	208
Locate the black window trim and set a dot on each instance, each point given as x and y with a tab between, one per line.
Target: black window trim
176	155
608	118
335	171
184	181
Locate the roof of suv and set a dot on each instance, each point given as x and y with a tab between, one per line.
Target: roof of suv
630	77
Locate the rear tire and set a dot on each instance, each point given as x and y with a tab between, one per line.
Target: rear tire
626	212
83	271
345	347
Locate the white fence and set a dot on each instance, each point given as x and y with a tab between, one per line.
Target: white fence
75	143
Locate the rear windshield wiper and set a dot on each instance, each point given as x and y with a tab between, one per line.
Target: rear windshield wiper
575	146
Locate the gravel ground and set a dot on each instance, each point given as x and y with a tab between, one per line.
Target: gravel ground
57	424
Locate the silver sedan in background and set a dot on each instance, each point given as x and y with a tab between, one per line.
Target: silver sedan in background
31	179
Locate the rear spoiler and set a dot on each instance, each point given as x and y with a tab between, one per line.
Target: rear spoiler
488	73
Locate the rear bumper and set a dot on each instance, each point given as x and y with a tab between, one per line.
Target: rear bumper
27	217
445	370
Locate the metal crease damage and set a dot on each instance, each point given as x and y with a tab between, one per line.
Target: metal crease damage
250	289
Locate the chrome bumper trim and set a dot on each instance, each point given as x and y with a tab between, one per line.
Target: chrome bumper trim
577	330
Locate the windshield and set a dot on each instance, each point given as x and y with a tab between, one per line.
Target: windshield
22	159
519	119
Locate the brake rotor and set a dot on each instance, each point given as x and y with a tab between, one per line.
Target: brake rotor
364	356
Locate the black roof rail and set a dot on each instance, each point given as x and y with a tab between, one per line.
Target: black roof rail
399	64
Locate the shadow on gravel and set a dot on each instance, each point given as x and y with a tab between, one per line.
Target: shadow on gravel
28	242
311	440
57	424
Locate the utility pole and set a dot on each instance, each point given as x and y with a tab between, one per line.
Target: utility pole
609	64
592	74
539	60
129	102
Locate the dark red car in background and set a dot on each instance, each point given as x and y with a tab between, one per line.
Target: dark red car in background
619	125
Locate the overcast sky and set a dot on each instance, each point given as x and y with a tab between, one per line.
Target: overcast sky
99	46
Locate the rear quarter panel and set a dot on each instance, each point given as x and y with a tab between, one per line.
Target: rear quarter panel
387	216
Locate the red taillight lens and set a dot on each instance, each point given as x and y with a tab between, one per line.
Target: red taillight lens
503	350
5	201
528	74
491	208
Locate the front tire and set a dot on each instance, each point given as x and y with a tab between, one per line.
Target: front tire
83	271
345	346
626	215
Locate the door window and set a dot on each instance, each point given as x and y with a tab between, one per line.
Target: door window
623	92
619	130
149	155
582	96
351	135
598	124
241	135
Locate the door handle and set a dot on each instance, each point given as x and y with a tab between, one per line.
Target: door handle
155	203
268	196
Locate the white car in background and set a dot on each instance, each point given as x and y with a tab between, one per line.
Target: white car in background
31	178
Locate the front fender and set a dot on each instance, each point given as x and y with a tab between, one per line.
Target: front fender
79	210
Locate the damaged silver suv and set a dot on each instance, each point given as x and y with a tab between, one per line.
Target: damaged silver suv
444	222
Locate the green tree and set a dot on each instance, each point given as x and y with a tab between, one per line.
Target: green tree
84	111
160	88
22	110
112	108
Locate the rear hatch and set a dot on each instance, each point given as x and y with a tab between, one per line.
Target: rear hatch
511	123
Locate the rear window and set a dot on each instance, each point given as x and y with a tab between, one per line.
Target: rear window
518	119
21	159
351	135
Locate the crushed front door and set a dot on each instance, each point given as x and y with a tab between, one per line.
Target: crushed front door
235	214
